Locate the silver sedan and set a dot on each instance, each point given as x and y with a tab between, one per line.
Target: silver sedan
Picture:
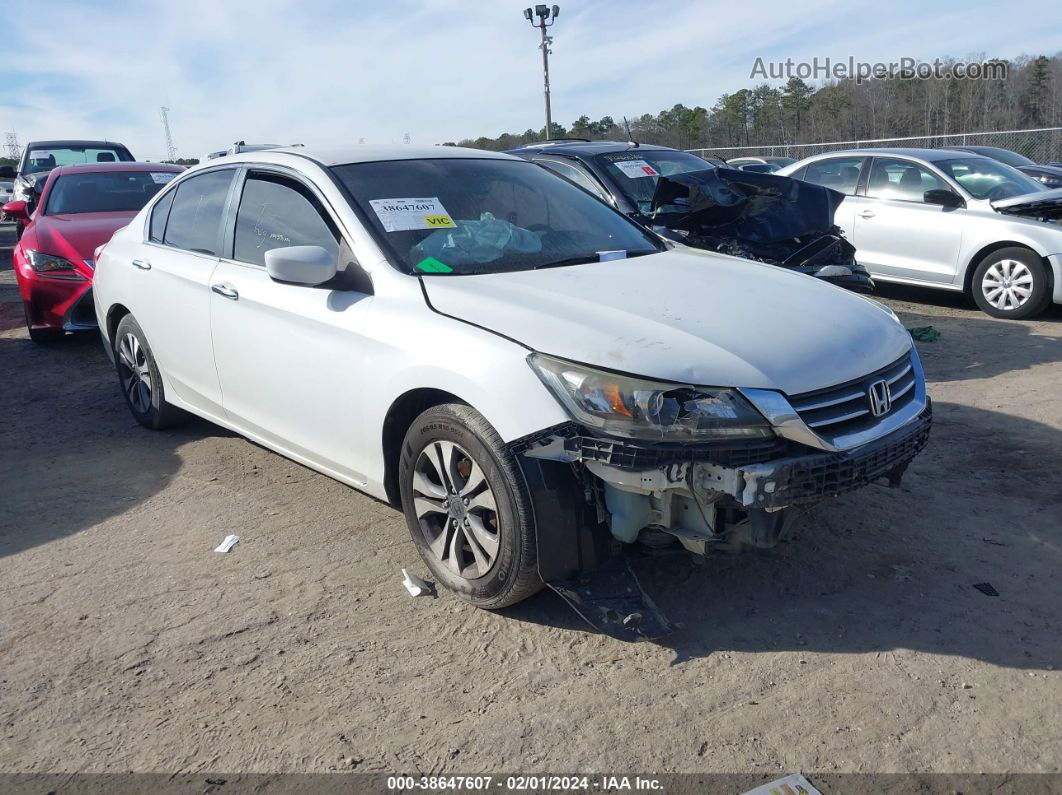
948	219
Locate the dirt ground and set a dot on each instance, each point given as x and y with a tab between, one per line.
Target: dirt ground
127	644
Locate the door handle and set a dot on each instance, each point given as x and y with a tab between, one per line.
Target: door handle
143	264
867	214
226	291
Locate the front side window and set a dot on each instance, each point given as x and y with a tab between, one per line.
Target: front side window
839	173
112	191
195	218
276	213
465	216
988	179
636	171
42	160
902	180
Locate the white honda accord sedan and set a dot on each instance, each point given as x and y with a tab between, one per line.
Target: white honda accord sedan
533	379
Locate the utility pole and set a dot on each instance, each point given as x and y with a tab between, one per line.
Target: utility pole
544	13
171	150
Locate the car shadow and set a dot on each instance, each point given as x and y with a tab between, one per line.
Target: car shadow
72	455
883	569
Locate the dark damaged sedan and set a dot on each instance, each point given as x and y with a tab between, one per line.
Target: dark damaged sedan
687	199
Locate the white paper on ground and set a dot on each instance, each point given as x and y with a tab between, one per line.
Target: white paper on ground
227	544
635	168
414	584
794	784
401	215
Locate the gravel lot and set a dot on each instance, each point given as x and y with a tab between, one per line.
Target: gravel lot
127	644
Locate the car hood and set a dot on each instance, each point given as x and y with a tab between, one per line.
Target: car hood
77	234
685	316
1039	204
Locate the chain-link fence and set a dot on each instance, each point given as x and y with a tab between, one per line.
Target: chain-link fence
1043	145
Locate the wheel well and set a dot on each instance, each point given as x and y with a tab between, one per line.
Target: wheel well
114	317
399	417
984	252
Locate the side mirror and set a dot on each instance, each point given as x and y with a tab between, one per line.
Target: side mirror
17	209
7	172
308	265
943	197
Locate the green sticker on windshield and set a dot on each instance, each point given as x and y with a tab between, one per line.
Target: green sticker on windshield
432	265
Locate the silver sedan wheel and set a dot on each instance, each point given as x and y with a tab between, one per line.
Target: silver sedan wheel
456	509
135	373
1008	284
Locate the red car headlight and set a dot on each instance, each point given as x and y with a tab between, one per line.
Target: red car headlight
52	265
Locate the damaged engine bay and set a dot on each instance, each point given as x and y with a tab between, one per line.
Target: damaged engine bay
763	217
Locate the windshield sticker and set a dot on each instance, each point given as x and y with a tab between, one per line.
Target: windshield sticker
162	177
40	154
633	169
432	265
402	215
609	256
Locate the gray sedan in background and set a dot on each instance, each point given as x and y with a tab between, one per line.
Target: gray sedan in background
948	219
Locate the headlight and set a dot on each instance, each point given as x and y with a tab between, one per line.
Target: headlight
51	265
635	408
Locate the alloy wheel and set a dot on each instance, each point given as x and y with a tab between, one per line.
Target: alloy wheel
1008	284
456	509
135	373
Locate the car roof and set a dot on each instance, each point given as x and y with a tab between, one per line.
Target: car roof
73	142
118	165
340	155
585	147
929	155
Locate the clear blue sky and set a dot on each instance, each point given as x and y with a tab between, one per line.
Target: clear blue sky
340	70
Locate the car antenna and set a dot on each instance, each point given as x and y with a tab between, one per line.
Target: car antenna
630	137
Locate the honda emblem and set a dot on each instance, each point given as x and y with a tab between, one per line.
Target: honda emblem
880	398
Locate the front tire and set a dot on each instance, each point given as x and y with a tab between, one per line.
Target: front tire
468	508
1011	283
139	378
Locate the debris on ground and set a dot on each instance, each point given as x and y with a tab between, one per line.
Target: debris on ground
924	333
415	585
986	588
229	542
794	784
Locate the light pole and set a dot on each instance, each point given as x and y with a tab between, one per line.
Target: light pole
544	13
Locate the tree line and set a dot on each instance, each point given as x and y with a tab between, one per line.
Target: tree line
836	110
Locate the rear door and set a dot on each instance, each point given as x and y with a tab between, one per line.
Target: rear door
173	285
841	174
288	356
897	234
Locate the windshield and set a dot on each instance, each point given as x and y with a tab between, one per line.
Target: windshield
988	179
1006	156
636	171
113	191
464	216
44	159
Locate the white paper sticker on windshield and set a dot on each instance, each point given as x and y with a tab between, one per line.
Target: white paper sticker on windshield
39	154
401	215
162	177
636	168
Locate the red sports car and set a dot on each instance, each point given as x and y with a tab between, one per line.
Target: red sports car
79	209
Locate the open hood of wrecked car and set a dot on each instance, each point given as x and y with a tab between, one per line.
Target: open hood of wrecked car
759	208
686	316
1039	204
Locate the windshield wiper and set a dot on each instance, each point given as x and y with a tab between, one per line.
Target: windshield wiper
587	258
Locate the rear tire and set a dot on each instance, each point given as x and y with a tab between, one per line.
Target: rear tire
1011	283
41	335
139	378
468	508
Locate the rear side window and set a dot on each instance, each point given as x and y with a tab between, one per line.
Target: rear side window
839	173
276	212
159	213
195	217
575	174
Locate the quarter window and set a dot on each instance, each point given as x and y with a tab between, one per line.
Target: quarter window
159	213
839	173
195	217
276	213
892	178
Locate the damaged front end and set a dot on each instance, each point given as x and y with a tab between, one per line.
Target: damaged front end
762	217
596	494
